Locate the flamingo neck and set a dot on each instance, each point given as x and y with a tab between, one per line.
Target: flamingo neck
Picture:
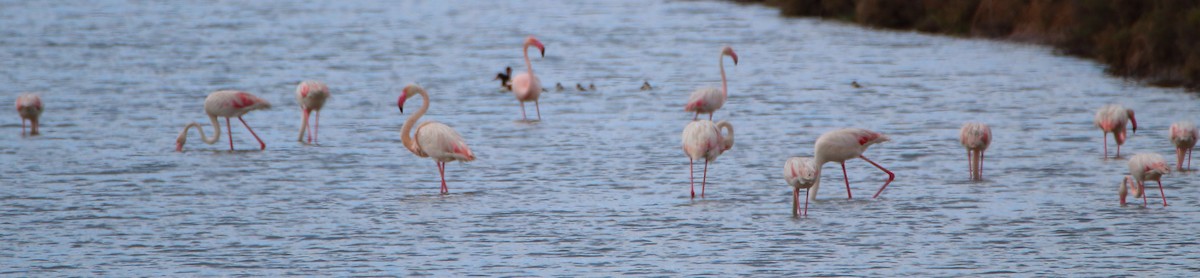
812	191
724	87
728	141
207	140
528	65
404	131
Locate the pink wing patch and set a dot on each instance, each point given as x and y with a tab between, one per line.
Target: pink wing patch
304	90
243	100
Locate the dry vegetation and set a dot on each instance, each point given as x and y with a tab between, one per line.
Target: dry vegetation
1155	40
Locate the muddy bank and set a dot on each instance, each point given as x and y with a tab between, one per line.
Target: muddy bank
1152	40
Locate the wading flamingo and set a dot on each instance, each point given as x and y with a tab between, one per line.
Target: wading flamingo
845	144
526	85
432	139
228	104
975	137
708	100
29	107
1183	135
800	173
311	95
1148	167
703	139
1111	119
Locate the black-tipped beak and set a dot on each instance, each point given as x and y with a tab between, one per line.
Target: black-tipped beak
543	53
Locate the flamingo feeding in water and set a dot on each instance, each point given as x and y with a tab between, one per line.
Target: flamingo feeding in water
526	85
800	173
1148	167
311	95
708	100
228	104
432	139
845	144
975	137
29	107
1183	135
1111	119
703	139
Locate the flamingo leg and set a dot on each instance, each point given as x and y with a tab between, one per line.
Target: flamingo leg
981	164
806	203
704	179
538	108
304	126
796	201
692	176
891	176
1142	189
1189	158
696	117
522	110
442	172
1179	154
1105	139
230	131
1160	192
316	125
847	178
262	145
22	126
971	163
710	116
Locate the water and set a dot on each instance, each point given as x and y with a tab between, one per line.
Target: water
599	187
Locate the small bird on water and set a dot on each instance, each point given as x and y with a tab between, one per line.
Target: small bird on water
580	87
855	84
646	86
558	87
504	78
591	86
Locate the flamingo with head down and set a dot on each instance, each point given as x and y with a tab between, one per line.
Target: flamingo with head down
1111	119
845	144
228	104
29	107
311	95
1183	135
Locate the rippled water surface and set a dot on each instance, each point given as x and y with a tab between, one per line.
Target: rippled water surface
599	187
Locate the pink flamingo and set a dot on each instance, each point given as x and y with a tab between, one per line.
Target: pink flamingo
975	137
526	85
1148	167
1183	135
708	100
311	95
703	139
433	139
1111	119
799	173
226	104
845	144
29	107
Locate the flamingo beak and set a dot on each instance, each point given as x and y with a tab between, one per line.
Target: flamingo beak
400	102
734	56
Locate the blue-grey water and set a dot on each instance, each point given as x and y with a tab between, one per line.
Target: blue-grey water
600	186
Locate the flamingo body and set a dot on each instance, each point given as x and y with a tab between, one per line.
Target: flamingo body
311	95
1183	135
1148	167
703	139
799	173
228	104
432	139
29	107
526	86
708	100
975	137
845	144
1112	119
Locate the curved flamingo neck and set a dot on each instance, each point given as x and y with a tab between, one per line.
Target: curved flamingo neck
404	131
528	65
728	140
216	130
724	87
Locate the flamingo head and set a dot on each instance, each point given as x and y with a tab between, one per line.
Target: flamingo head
403	96
180	141
531	41
1132	119
729	51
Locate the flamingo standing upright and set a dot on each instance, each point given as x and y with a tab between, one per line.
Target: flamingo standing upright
1183	135
703	139
1148	167
845	144
311	95
526	85
228	104
708	100
1111	119
433	139
975	137
800	173
29	107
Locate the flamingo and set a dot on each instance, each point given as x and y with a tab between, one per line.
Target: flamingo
1183	135
29	107
1111	119
1122	191
799	173
708	100
1148	167
845	144
311	95
975	137
228	104
432	139
703	139
526	86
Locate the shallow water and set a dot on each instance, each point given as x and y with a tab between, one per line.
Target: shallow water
599	187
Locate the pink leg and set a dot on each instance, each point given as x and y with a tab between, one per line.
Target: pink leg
522	110
796	201
692	176
971	163
806	202
1142	189
304	126
891	176
704	179
710	116
262	145
22	126
442	172
1189	158
316	125
230	130
539	109
1160	192
1118	151
847	178
981	164
1105	137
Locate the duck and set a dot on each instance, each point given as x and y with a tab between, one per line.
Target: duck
646	86
580	87
558	87
855	84
505	78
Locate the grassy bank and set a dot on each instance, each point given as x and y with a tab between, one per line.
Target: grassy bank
1154	40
